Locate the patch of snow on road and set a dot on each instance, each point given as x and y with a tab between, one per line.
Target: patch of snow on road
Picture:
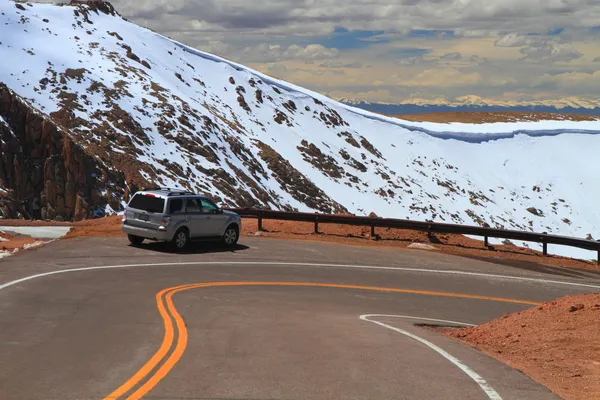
33	245
39	232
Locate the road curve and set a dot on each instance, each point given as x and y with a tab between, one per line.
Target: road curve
271	319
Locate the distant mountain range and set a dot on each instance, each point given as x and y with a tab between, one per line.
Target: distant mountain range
567	105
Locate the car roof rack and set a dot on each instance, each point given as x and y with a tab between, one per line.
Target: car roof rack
170	191
176	191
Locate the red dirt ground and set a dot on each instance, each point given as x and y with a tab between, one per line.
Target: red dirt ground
12	243
487	117
101	227
557	344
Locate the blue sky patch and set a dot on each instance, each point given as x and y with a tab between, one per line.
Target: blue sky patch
416	33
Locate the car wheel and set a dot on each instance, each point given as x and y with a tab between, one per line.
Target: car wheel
231	235
135	240
180	240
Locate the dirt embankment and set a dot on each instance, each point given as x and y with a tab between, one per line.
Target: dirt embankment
557	344
100	227
488	117
10	244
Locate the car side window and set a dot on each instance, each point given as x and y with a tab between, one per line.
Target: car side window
192	206
175	205
208	207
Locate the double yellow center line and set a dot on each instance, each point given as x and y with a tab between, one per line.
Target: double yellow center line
162	362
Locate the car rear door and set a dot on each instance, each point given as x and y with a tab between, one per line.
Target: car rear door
146	210
176	211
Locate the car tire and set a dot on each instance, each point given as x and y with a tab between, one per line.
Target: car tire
135	240
231	235
180	239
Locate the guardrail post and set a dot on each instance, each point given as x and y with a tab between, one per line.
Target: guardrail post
485	241
316	225
260	227
545	248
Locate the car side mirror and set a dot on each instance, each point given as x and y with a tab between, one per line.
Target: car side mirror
219	211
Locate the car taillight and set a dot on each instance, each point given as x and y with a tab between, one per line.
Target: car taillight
165	221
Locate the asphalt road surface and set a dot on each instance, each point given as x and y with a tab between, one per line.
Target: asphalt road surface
270	319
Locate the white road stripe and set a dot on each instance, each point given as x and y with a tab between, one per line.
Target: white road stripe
410	317
272	263
489	391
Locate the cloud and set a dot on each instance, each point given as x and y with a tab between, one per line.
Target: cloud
571	81
312	51
597	59
451	56
310	17
536	48
441	78
552	52
340	64
268	53
515	39
276	69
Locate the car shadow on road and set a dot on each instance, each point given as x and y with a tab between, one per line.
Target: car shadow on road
192	248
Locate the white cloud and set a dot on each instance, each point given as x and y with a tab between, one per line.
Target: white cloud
572	81
540	48
340	64
267	53
277	69
312	17
552	52
451	56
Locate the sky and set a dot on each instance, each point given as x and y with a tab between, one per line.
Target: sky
398	51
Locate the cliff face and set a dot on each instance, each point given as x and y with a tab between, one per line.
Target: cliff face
44	173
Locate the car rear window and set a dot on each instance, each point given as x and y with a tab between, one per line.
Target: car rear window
147	203
175	205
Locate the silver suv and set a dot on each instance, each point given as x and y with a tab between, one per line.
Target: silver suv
178	217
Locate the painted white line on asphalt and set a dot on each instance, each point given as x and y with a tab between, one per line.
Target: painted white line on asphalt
489	391
418	318
273	263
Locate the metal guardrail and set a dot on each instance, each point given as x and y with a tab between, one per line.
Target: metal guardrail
429	227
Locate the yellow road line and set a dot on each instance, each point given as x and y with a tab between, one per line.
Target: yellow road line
158	356
169	311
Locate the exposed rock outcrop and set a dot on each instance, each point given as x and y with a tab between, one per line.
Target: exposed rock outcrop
45	174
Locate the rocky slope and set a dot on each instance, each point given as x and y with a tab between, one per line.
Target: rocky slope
127	105
40	163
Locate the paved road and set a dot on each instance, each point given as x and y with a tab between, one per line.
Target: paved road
269	320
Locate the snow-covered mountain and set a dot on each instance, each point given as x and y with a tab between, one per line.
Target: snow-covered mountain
94	105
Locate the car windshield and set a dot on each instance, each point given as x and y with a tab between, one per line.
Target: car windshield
149	203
